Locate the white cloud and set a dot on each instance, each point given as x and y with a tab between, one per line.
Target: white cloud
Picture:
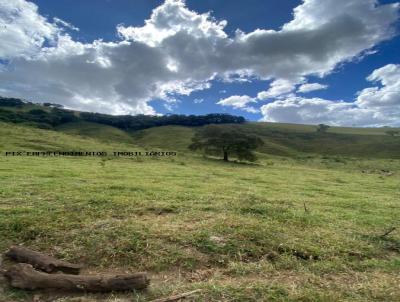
311	87
178	51
386	96
65	24
239	102
314	111
251	109
22	30
373	107
278	88
236	101
170	19
198	101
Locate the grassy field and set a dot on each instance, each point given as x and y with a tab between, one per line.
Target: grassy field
299	225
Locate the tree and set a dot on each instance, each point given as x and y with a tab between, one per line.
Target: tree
322	128
392	132
10	102
224	141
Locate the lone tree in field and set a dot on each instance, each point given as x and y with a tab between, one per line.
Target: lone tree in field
392	132
223	141
322	128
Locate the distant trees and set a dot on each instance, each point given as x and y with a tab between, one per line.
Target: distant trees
322	128
43	118
392	132
10	102
52	114
57	116
225	142
137	122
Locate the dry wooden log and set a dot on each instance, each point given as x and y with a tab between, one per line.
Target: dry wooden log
24	276
41	261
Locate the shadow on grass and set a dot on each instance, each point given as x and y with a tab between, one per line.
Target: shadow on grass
231	162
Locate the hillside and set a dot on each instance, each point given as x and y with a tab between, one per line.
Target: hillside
103	133
239	232
173	132
24	138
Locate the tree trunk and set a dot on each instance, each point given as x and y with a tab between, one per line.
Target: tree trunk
225	156
24	276
41	261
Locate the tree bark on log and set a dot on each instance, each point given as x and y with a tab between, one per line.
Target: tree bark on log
41	261
24	276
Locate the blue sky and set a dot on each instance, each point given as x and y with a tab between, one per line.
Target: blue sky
347	49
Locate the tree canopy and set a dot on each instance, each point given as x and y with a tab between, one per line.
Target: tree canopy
322	128
141	121
51	115
392	132
225	142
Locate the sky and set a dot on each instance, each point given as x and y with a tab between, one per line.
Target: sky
313	61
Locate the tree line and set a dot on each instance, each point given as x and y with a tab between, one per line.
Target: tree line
137	122
50	115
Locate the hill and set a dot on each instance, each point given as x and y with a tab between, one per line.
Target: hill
49	115
173	131
288	140
103	133
312	212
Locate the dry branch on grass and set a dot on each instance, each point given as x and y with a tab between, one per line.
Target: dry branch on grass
177	297
24	276
41	261
388	232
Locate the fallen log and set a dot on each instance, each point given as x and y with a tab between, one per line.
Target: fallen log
41	261
24	276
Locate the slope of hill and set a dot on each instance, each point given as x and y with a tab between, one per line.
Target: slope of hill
100	132
358	142
238	232
24	138
287	140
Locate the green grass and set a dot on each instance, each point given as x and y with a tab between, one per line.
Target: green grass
100	132
166	137
299	227
311	128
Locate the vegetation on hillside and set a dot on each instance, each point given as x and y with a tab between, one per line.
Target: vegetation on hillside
137	122
300	227
51	115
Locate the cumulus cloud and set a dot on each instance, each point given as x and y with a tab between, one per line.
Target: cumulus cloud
316	110
178	51
171	18
308	87
239	102
236	101
386	96
22	30
278	88
374	106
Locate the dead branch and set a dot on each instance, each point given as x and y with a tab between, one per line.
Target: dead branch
24	276
41	261
177	297
388	232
